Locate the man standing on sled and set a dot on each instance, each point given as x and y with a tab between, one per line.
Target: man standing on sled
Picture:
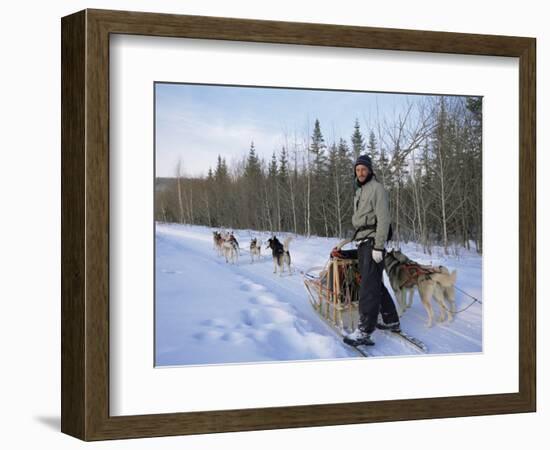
371	220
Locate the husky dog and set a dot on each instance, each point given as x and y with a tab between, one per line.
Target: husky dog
230	250
230	247
255	248
218	241
405	275
280	252
448	292
232	238
393	261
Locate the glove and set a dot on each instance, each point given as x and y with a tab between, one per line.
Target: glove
377	255
335	253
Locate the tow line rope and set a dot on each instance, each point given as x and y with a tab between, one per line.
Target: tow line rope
414	270
475	300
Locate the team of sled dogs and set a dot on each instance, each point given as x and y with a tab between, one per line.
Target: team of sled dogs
227	245
405	275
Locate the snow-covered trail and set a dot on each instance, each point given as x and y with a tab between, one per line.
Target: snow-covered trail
211	312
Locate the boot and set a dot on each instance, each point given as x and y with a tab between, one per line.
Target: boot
358	337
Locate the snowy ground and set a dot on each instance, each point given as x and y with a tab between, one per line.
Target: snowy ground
211	312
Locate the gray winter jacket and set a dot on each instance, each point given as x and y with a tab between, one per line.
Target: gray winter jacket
371	206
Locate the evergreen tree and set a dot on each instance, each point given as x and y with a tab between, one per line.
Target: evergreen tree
272	171
372	149
332	202
317	148
221	175
253	191
341	187
284	191
222	196
357	141
473	130
346	180
474	105
283	165
209	199
442	148
253	169
272	200
319	188
345	161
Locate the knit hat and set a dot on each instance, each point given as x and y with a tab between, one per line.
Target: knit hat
363	160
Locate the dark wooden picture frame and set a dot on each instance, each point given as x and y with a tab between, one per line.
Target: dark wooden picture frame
85	224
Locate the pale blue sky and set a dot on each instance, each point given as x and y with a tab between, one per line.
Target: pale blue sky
198	122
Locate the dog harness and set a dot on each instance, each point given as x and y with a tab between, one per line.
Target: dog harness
414	271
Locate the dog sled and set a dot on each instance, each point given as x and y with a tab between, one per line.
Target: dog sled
333	291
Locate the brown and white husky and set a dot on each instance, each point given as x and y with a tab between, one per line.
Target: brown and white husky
255	248
230	248
405	275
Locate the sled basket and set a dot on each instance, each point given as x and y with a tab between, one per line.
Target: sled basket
333	289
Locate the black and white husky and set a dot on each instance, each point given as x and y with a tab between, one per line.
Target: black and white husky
280	252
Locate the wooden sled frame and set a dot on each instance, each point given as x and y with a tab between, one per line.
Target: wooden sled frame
333	291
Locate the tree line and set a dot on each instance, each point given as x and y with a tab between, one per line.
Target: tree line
428	156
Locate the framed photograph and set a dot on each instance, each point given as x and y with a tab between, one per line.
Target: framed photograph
267	224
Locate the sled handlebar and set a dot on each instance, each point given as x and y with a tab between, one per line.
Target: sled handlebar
342	243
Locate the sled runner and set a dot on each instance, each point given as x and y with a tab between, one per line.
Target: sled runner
333	291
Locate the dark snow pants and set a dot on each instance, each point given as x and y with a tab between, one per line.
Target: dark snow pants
373	295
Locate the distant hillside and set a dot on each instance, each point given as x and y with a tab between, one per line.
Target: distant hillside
162	183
